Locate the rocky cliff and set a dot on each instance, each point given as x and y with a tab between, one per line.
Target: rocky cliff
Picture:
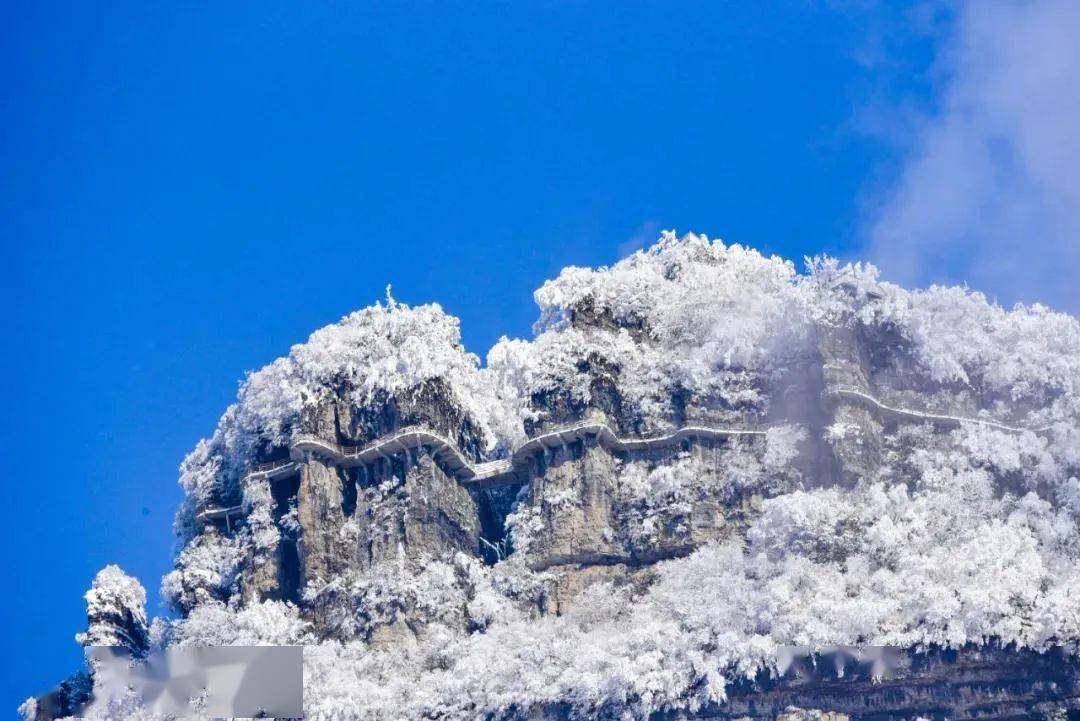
702	458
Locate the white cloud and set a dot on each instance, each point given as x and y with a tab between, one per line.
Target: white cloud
990	189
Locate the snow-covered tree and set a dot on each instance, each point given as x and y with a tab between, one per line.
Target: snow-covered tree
116	612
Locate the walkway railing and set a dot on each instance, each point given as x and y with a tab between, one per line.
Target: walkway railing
448	454
863	396
505	471
271	465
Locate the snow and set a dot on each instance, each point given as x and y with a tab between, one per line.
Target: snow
380	350
113	597
725	608
961	535
207	568
1029	352
270	623
692	314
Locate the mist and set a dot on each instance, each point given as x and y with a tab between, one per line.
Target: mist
988	192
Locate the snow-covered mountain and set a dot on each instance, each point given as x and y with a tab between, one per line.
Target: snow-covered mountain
701	459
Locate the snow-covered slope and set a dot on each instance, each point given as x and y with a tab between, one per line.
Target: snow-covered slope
912	481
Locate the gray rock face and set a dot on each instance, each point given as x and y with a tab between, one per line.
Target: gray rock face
587	519
572	492
411	509
404	508
320	516
857	439
430	405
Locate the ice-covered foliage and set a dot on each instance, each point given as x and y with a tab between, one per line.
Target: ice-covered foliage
1028	353
382	349
259	505
718	305
116	610
436	593
717	615
208	566
687	314
379	351
270	623
206	569
28	709
1024	362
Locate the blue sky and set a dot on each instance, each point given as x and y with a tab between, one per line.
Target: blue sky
189	189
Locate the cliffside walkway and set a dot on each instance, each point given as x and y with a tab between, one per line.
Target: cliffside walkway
270	470
501	471
447	454
865	398
507	471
